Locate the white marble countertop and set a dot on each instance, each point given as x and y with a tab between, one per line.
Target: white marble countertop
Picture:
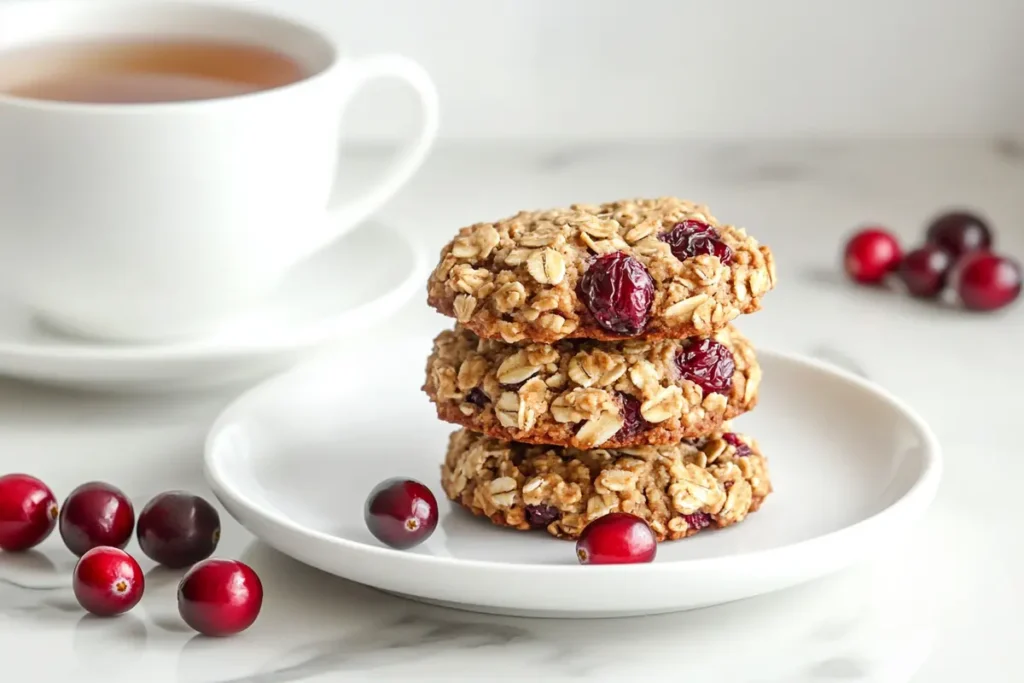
944	606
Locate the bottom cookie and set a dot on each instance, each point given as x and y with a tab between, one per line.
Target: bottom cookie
679	489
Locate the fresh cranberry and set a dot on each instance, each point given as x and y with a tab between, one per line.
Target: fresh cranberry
108	581
539	516
619	292
736	442
986	281
401	513
96	514
698	520
178	529
220	597
693	238
633	422
959	232
870	255
28	512
616	538
708	364
477	397
924	270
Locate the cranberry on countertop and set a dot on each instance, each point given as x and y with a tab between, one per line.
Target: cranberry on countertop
870	255
108	581
707	363
178	529
985	281
959	232
96	514
693	238
616	538
28	512
220	597
923	271
401	513
619	292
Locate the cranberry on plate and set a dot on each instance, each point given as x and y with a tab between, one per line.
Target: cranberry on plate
401	513
28	512
923	271
96	514
108	581
178	529
959	232
870	255
220	597
985	281
619	292
616	538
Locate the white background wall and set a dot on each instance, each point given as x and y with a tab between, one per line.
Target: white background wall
694	68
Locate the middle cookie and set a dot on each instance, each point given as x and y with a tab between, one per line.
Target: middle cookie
588	394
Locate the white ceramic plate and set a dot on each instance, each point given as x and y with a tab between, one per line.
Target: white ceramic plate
339	292
293	460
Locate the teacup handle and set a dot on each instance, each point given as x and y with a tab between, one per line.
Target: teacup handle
360	73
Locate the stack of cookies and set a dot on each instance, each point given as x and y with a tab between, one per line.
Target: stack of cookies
593	367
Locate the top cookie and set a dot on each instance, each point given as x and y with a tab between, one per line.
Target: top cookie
651	268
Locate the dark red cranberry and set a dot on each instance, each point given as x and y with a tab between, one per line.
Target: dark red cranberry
959	232
401	513
986	281
616	538
108	581
539	516
28	512
633	422
870	255
708	364
178	529
619	292
923	271
477	397
698	520
220	597
96	514
693	238
736	442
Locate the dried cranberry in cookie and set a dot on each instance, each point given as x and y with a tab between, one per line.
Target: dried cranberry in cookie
707	363
618	291
693	238
633	422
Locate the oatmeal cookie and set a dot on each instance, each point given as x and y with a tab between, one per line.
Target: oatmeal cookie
652	268
679	489
587	394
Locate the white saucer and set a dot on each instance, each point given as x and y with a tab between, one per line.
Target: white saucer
294	458
362	279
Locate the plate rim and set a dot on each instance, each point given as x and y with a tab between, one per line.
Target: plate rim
917	498
200	350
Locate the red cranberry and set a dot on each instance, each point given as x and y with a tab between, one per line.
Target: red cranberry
959	232
736	442
616	538
108	581
178	529
870	255
220	597
539	516
401	512
96	514
986	281
619	292
633	422
28	512
698	520
708	364
693	238
923	271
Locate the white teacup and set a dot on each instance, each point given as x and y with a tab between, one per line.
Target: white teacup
150	221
